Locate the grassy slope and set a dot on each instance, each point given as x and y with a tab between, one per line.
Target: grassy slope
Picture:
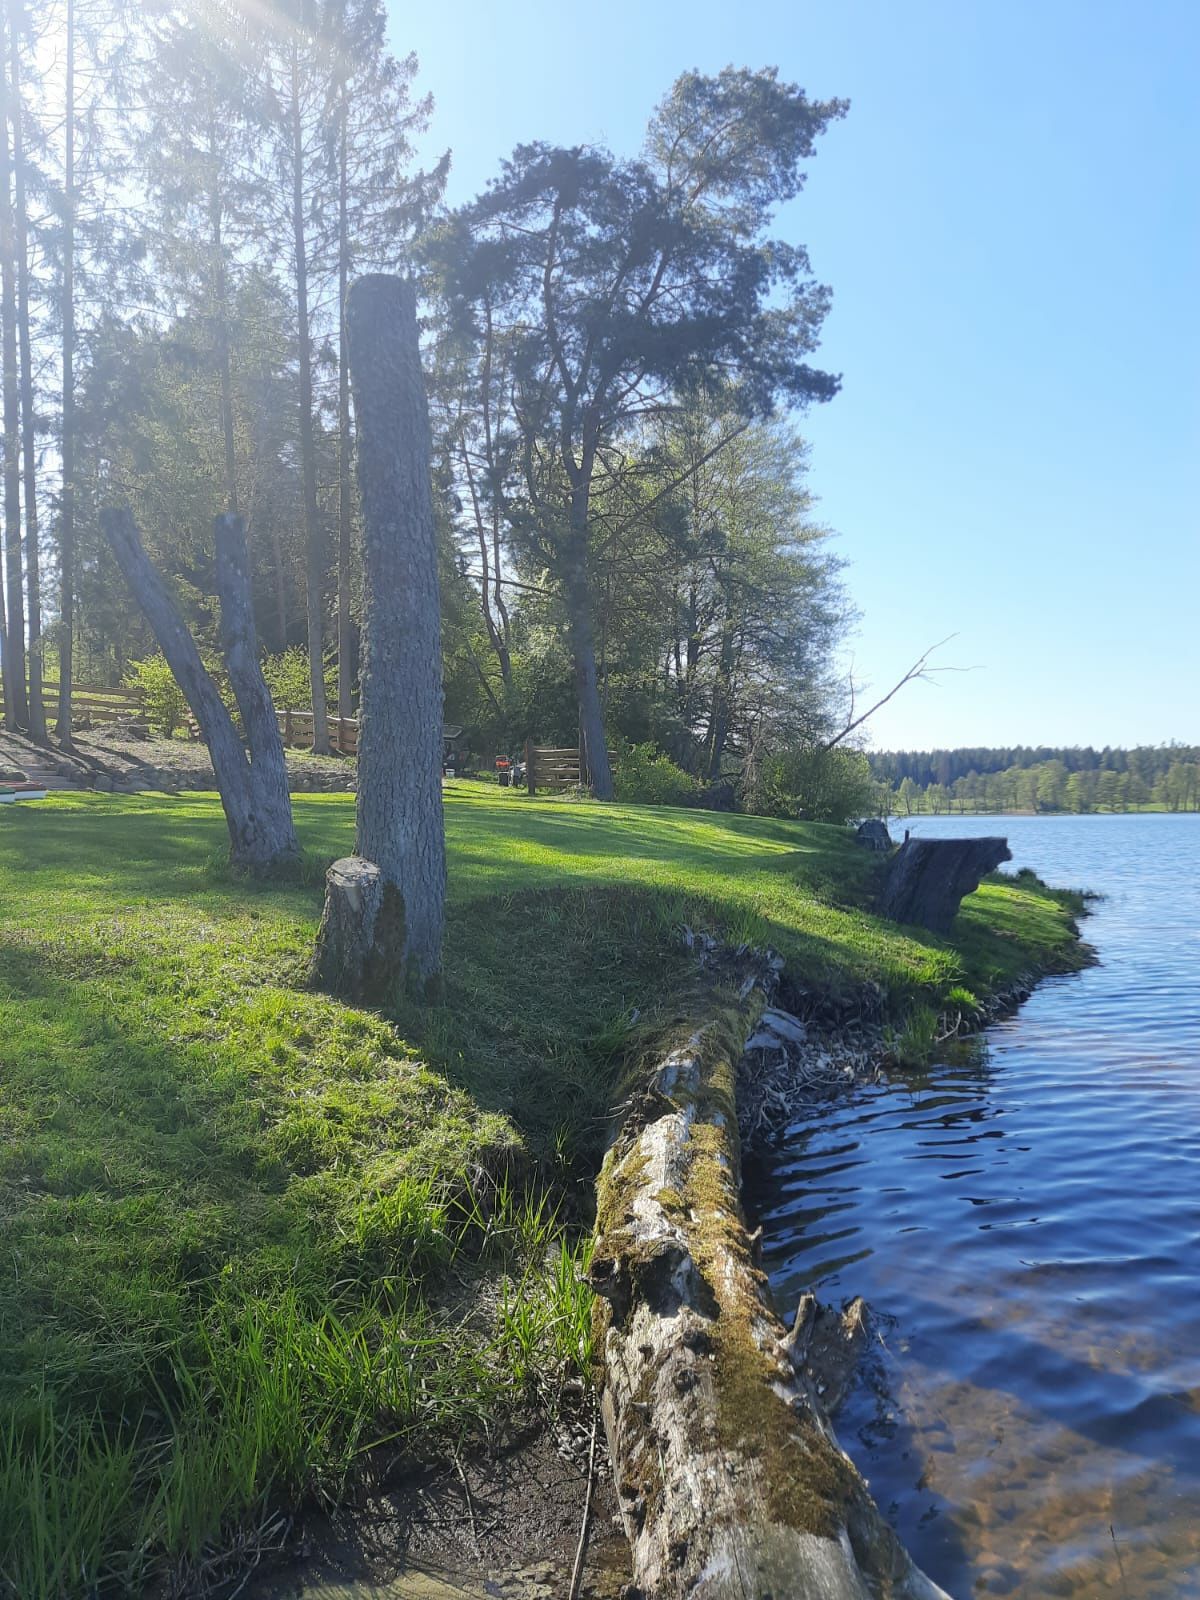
231	1206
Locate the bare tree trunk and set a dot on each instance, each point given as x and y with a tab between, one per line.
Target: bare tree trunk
384	912
281	616
224	364
4	665
315	566
33	566
253	792
239	643
16	700
66	510
722	699
577	589
345	620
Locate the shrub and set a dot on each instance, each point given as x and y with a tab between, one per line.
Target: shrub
816	785
642	774
165	705
288	682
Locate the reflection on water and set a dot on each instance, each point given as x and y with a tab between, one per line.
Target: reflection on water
1024	1220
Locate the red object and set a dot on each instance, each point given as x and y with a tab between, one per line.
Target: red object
503	761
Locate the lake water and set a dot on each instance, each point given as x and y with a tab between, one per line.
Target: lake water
1024	1222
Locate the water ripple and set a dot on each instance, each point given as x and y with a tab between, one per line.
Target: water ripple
1026	1228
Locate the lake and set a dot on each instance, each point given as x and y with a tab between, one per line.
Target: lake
1024	1221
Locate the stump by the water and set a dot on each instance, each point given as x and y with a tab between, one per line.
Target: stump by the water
873	833
928	879
360	945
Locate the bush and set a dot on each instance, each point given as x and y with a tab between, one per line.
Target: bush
642	774
164	701
816	785
288	682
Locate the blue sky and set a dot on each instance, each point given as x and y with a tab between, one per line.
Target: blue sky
1009	218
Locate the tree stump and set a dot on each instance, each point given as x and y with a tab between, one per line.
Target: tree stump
360	945
873	834
928	879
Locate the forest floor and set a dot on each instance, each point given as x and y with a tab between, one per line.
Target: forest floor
265	1251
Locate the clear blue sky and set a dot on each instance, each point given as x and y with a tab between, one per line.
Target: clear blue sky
1009	218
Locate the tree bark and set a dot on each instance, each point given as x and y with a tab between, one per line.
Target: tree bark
66	509
360	942
15	697
722	695
255	801
239	643
33	565
399	819
315	566
221	318
731	1482
577	589
928	879
345	619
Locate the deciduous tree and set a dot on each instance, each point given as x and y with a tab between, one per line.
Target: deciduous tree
613	287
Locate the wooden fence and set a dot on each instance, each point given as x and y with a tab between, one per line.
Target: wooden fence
551	767
297	730
96	705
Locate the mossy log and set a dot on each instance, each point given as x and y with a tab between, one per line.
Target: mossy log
731	1481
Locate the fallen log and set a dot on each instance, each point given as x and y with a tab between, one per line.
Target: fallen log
730	1478
928	879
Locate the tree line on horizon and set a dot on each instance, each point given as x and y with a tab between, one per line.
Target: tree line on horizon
1076	779
616	352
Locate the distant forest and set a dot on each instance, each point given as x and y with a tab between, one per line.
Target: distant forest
1041	778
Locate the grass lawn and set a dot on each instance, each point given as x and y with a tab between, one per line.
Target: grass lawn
242	1221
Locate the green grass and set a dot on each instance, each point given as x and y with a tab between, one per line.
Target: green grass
246	1226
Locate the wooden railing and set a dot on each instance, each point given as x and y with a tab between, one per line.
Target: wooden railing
96	705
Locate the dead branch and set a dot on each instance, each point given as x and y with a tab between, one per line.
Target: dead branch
919	671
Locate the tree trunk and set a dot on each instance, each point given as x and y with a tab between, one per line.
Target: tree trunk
221	318
4	663
577	590
239	642
315	566
345	619
732	1485
928	879
400	828
280	575
33	565
66	510
257	807
722	695
16	699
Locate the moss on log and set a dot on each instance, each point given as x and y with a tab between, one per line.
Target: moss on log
731	1481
